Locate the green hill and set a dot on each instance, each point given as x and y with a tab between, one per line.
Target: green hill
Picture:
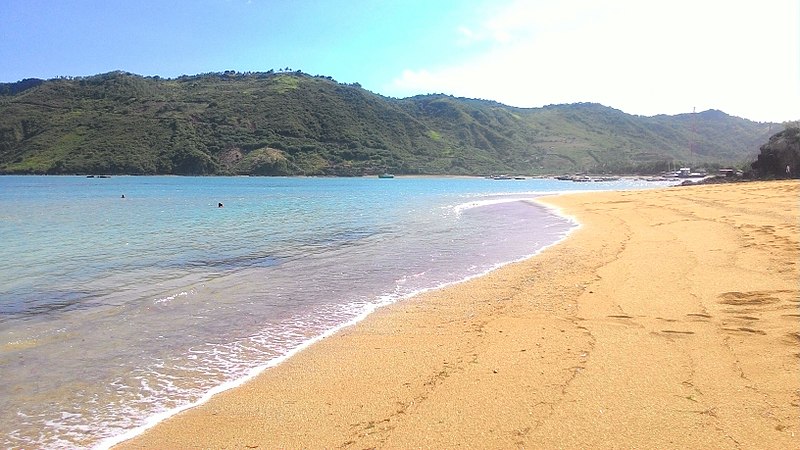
292	123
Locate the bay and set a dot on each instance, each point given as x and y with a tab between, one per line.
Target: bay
125	299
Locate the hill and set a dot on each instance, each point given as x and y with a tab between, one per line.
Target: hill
292	123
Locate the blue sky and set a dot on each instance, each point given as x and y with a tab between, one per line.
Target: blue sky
643	57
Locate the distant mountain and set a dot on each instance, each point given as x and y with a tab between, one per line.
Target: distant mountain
291	123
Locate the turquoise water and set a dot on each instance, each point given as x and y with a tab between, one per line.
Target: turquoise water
115	312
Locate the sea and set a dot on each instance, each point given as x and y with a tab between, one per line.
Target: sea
126	299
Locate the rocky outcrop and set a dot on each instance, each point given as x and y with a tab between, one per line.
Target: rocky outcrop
780	157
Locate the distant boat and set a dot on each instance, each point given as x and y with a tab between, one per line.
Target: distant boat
386	175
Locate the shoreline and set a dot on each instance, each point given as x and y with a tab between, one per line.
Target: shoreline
156	419
519	341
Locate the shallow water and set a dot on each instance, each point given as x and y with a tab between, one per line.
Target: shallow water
113	310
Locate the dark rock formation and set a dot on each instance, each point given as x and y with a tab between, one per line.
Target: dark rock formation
780	157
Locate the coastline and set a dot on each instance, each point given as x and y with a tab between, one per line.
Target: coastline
155	420
619	335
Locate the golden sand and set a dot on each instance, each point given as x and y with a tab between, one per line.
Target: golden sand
670	319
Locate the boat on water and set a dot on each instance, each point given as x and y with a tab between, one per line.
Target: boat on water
386	175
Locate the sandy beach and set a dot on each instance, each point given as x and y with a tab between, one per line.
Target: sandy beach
669	319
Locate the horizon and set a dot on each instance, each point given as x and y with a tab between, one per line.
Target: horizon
644	60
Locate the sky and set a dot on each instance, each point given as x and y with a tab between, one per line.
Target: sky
642	57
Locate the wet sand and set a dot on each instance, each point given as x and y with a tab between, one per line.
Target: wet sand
670	319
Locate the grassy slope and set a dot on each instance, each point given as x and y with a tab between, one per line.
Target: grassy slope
293	123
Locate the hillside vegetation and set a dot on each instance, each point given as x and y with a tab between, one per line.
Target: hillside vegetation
291	123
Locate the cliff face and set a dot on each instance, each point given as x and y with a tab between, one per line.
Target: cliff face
782	151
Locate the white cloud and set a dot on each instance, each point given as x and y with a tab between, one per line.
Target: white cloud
642	57
468	36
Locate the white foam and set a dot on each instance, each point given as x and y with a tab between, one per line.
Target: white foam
511	197
170	298
365	310
252	373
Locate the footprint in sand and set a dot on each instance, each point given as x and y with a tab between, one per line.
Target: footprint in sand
745	330
748	298
699	315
